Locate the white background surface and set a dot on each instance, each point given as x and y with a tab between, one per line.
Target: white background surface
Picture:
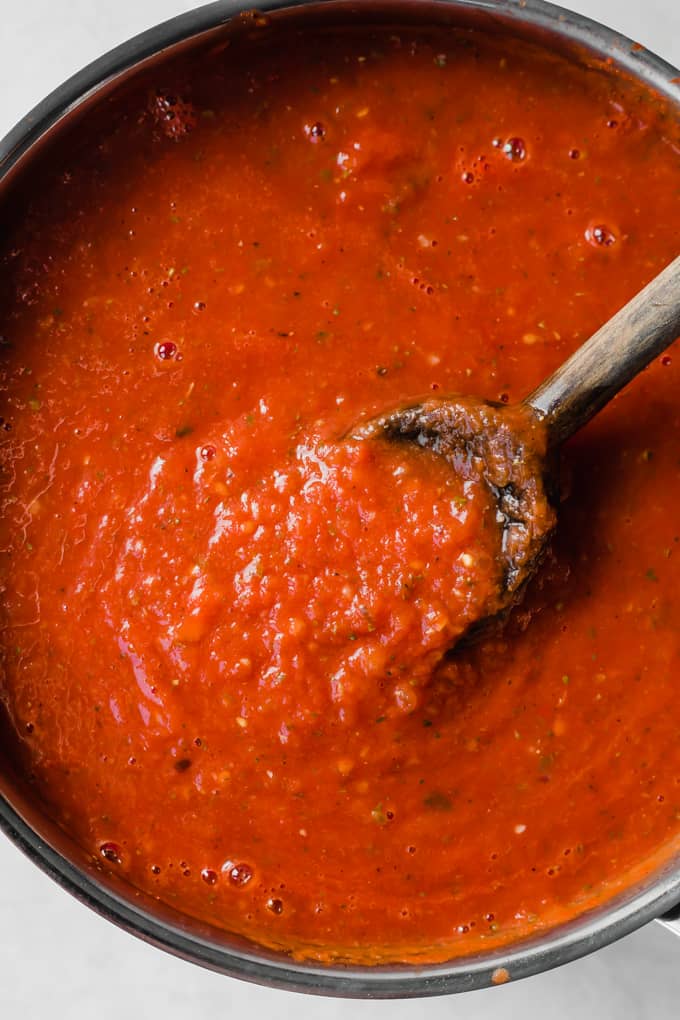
57	959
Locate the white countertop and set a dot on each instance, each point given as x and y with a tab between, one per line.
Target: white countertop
58	959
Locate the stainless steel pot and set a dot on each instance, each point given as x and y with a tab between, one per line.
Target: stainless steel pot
22	820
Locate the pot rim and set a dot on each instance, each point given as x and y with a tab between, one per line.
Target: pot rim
590	931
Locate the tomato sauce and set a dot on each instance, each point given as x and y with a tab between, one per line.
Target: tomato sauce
223	629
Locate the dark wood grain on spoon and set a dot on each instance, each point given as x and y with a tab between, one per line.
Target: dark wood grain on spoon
514	448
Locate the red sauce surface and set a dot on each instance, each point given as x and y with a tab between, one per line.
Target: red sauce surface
223	632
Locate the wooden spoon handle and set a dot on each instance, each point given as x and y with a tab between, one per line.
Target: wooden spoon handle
605	363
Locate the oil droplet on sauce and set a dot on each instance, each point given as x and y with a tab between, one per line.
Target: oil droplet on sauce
111	852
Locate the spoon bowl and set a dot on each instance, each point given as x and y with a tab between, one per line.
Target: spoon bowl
506	446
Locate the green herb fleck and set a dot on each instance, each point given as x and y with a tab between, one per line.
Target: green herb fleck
378	815
438	801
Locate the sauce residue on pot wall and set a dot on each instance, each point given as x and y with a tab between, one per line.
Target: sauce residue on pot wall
222	637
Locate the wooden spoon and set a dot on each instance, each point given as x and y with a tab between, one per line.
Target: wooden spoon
514	447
